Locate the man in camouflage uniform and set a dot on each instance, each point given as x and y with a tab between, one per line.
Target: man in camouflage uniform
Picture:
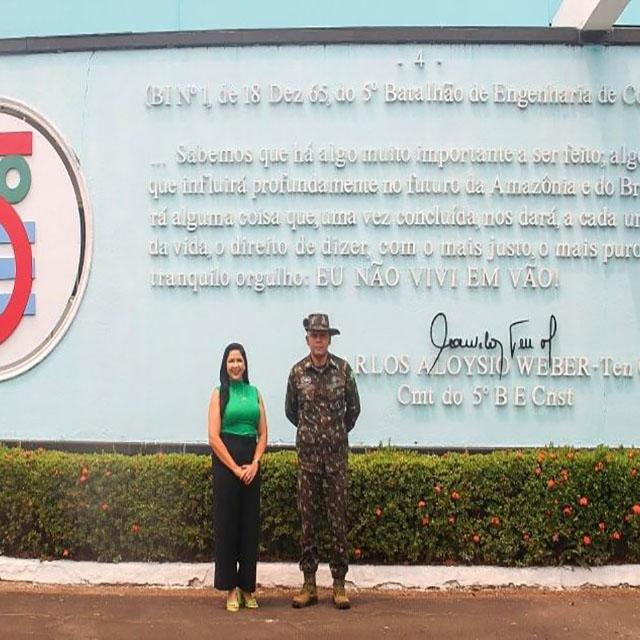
322	402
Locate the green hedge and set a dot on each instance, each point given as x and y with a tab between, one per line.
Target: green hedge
546	507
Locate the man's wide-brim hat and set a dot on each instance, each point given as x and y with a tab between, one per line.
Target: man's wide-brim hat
319	322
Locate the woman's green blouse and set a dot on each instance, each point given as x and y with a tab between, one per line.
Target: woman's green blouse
242	414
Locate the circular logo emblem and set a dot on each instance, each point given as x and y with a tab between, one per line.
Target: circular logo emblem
45	238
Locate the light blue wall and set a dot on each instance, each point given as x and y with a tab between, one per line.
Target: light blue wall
70	17
139	363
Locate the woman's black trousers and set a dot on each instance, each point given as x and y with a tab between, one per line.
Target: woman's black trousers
236	519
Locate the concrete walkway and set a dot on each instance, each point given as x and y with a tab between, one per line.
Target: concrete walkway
137	613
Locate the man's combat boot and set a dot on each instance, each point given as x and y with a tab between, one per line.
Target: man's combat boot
308	595
340	599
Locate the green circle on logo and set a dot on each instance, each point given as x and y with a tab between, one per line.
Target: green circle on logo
16	194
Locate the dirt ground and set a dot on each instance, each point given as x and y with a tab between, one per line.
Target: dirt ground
135	613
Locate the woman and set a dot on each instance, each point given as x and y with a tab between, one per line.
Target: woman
238	438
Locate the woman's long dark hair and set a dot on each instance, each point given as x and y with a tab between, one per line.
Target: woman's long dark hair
224	376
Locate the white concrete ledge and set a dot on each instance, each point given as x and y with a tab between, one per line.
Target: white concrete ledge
277	574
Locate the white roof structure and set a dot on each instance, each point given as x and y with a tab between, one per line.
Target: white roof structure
589	15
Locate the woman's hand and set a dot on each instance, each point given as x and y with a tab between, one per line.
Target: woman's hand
249	472
239	472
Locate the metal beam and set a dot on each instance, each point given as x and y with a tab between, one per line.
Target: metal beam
589	15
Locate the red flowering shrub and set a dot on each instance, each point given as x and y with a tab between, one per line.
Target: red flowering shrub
404	507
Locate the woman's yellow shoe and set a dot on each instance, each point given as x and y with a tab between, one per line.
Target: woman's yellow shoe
233	602
248	600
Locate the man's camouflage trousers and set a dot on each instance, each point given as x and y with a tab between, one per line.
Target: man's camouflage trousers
322	482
